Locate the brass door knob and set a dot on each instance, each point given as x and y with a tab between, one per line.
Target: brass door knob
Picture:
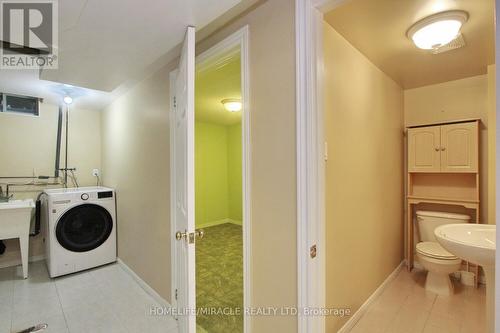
200	233
181	235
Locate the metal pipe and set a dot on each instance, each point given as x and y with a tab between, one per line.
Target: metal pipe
8	186
29	177
58	143
66	148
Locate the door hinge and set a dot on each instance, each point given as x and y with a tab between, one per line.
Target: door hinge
313	251
176	294
175	102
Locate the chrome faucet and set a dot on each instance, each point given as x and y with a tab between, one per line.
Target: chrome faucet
4	197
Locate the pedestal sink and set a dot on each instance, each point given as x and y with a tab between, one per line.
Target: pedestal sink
475	243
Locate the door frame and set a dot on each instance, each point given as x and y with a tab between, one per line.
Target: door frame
311	155
311	273
238	39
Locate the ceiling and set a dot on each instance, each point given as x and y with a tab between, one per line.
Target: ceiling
214	82
105	47
378	30
103	43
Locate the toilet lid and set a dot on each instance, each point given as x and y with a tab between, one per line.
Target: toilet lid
434	250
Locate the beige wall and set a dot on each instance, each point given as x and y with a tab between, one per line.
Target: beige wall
461	99
135	155
31	147
136	162
364	175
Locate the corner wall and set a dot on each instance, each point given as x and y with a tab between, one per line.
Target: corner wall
364	176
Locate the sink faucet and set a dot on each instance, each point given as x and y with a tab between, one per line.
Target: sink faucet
4	197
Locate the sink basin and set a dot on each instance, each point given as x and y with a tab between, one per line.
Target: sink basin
17	204
475	243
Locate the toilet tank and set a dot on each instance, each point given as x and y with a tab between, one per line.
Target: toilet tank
428	221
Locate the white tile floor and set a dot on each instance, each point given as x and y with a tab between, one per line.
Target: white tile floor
105	299
405	307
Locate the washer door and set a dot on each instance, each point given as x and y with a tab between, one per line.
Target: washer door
84	228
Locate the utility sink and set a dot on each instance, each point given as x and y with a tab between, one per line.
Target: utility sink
18	204
15	218
475	243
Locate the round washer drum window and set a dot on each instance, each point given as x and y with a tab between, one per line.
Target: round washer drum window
84	228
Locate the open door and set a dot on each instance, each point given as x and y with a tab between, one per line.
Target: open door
183	156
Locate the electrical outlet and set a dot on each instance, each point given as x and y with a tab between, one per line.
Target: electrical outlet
95	172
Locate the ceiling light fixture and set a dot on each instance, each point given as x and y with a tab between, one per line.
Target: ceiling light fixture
68	100
437	30
232	104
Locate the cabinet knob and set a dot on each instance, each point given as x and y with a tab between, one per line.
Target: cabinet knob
436	149
443	148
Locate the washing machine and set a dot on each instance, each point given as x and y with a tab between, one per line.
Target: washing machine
79	226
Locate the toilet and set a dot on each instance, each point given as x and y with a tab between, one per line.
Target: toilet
432	256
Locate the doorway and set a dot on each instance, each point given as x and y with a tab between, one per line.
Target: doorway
312	150
218	194
215	288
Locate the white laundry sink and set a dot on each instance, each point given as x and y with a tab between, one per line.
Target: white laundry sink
475	243
15	218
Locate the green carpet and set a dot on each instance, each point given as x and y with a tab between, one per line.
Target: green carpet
219	278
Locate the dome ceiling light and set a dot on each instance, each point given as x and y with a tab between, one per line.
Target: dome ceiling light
438	30
232	104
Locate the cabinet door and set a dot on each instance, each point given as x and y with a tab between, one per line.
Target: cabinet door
423	149
459	147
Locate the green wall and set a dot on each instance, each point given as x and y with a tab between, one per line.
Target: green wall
217	172
234	172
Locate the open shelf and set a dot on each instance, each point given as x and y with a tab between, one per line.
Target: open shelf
444	186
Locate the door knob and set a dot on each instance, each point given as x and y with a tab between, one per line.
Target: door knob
200	233
181	235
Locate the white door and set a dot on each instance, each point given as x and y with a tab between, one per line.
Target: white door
183	156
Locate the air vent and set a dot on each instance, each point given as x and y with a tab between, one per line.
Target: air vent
453	45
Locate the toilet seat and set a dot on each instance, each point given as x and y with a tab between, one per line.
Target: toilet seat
434	250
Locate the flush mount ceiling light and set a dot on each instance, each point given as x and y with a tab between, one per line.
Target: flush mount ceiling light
437	30
232	104
68	100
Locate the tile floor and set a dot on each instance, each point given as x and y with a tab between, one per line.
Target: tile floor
405	307
219	277
105	299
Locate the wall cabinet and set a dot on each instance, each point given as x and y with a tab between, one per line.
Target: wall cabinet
444	148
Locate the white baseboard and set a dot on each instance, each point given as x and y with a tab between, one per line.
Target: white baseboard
147	288
17	262
218	222
349	325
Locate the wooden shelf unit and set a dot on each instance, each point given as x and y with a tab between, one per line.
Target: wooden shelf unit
443	170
